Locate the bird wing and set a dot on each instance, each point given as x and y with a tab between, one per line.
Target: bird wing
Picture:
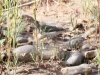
46	28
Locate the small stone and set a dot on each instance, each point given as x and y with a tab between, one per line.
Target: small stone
23	53
52	54
24	49
90	54
75	70
20	70
74	58
85	47
94	65
21	40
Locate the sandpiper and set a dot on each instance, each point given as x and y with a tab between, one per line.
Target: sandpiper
48	31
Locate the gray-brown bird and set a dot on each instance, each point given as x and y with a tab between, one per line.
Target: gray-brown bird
49	31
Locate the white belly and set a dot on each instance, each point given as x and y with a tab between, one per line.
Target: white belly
49	34
52	34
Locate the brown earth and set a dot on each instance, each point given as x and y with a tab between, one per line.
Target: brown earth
56	13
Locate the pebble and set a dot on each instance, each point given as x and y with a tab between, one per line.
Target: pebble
21	40
94	65
24	49
17	71
23	53
90	54
74	58
53	54
85	47
75	70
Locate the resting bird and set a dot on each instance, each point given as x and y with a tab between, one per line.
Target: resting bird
48	31
76	42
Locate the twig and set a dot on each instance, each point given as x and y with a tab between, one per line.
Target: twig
47	5
1	69
56	2
29	3
99	17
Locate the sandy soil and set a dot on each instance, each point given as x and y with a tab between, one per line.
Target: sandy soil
56	13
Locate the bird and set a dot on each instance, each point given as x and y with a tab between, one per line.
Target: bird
76	42
48	31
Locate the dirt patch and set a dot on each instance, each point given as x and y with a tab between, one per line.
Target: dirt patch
55	14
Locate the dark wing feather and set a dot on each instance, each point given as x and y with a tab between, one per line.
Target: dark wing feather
46	28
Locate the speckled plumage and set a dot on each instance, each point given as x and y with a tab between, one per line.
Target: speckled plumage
49	31
76	42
